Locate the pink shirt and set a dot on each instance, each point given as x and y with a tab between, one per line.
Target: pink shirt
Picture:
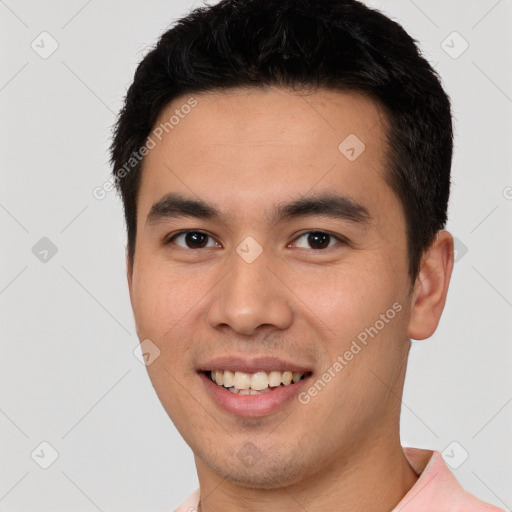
436	489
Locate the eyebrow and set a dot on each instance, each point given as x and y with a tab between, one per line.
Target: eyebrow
331	205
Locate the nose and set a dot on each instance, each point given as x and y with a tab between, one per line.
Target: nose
250	296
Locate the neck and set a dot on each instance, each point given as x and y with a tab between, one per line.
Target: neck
375	477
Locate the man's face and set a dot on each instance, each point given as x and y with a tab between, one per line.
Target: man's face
264	287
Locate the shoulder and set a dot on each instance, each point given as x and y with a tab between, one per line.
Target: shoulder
437	489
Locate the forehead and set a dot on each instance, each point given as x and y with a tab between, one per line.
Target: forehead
243	146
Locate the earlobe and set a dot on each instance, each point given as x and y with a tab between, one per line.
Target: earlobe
431	287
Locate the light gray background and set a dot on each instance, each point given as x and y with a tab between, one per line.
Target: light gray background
67	368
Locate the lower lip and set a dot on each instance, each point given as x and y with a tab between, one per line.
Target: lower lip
252	405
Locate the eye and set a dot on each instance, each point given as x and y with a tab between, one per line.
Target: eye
318	240
192	240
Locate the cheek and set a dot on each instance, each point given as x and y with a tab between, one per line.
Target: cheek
164	309
163	297
164	304
347	299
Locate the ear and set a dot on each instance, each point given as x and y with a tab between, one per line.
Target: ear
129	273
431	287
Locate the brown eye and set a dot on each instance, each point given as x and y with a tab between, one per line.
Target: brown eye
192	240
317	240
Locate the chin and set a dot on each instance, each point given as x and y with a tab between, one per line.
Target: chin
263	472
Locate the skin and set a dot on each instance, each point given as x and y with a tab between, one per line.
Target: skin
244	151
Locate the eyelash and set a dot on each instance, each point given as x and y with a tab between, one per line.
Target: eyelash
340	239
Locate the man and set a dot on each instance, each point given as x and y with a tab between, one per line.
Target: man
285	170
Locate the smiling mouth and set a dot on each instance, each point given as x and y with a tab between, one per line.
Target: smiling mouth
242	383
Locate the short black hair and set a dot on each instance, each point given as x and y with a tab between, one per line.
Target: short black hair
302	44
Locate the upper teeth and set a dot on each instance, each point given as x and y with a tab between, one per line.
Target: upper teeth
256	381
